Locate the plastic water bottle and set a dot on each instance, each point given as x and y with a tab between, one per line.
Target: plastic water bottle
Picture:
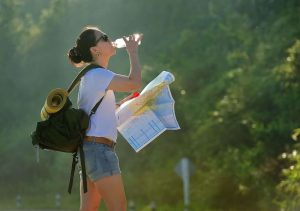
120	43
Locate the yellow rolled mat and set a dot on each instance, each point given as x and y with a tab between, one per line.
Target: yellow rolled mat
54	102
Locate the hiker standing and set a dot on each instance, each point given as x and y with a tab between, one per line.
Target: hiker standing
104	179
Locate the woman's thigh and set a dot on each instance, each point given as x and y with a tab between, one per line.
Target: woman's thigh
112	191
90	200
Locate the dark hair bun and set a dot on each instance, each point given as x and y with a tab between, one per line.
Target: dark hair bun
74	55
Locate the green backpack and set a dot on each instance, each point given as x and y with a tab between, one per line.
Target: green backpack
64	130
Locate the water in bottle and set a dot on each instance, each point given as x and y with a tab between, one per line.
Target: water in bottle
120	43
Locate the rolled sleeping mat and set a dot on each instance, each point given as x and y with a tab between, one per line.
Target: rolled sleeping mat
54	102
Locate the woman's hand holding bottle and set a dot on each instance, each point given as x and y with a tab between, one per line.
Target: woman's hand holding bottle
131	42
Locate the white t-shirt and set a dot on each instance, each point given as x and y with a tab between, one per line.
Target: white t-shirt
92	88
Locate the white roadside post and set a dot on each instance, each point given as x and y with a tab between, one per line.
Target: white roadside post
18	201
131	205
57	200
185	169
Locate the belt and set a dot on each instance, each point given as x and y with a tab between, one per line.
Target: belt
100	140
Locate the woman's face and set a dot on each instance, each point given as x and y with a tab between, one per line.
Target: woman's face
104	45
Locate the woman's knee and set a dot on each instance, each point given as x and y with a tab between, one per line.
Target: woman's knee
120	205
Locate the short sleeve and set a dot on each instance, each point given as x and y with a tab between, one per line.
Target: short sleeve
100	79
93	86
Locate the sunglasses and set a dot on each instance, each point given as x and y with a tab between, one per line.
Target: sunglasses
103	37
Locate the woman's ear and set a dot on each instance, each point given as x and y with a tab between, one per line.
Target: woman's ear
95	51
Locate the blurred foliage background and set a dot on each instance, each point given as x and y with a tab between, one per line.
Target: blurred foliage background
237	69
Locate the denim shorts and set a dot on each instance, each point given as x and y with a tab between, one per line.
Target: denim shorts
100	160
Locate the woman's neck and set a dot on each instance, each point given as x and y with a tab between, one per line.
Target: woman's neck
102	61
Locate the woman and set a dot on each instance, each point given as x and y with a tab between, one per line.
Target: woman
102	165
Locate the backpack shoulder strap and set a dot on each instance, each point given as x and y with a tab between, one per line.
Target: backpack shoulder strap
80	74
94	109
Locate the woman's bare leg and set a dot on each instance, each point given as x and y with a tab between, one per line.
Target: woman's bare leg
89	201
112	192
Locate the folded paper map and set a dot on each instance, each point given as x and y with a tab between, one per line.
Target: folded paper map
142	119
